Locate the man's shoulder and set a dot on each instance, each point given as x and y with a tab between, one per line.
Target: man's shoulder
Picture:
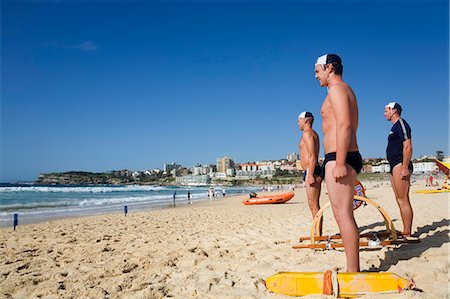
339	91
339	87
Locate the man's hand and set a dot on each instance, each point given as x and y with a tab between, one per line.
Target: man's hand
405	173
339	172
310	179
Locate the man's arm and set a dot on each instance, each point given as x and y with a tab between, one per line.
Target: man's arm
407	154
341	109
312	152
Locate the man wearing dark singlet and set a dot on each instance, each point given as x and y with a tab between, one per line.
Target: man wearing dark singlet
342	159
399	152
309	147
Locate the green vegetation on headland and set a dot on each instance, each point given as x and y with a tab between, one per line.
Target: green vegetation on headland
101	178
126	178
120	178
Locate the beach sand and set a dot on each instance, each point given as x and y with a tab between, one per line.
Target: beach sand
219	249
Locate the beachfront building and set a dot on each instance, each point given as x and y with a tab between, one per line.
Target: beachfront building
201	169
383	167
298	165
219	175
253	169
224	163
193	180
293	157
425	167
172	166
230	172
367	168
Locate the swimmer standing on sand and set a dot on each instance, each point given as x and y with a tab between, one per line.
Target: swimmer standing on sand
309	146
399	152
342	159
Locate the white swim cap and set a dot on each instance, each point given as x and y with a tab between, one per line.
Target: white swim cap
305	114
394	105
328	58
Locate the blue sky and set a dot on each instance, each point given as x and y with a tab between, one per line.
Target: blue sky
96	86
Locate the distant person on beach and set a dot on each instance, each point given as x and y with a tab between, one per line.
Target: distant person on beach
399	153
174	198
223	192
189	197
309	146
342	158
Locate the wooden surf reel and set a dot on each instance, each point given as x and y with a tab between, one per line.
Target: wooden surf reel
388	237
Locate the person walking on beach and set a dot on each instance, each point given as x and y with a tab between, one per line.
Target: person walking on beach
309	146
174	197
223	192
399	152
189	197
342	158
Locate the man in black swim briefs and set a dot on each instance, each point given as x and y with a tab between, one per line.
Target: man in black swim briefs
339	124
309	147
354	159
399	152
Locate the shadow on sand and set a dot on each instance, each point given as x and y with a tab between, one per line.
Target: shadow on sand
435	238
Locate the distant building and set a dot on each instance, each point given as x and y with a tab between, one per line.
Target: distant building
425	167
253	169
201	169
293	157
169	167
381	168
219	175
224	163
288	167
230	172
193	180
367	168
248	166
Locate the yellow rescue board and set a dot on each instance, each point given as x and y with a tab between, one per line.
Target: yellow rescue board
350	284
432	191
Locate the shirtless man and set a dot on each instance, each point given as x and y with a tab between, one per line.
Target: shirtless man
342	159
309	152
399	152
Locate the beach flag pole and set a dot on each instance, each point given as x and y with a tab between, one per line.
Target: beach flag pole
15	220
125	210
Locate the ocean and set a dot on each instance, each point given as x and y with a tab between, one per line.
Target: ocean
35	203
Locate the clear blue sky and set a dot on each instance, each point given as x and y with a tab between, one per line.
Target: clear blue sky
96	86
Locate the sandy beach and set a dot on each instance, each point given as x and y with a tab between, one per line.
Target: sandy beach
219	249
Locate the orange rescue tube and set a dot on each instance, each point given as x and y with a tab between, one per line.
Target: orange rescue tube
269	199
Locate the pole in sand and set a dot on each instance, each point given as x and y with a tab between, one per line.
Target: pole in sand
15	220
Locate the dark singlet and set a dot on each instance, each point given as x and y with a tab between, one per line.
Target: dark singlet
400	132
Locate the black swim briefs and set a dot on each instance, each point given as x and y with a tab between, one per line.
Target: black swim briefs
317	171
410	166
353	159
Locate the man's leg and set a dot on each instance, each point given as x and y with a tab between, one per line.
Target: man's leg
341	197
313	194
401	190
